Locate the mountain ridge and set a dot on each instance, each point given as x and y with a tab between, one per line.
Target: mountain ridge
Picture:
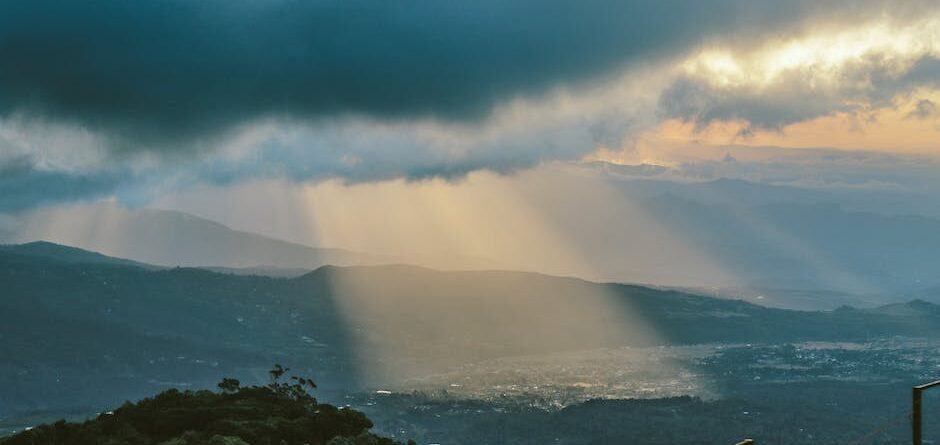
351	327
61	252
171	238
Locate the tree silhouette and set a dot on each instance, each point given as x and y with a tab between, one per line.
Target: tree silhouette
279	413
276	372
229	385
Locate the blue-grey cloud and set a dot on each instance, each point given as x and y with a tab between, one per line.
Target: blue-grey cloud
173	77
23	186
924	109
155	73
796	96
789	102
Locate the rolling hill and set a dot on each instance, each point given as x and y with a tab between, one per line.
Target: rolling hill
96	333
58	252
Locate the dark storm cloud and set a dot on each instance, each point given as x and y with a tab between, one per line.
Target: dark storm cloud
159	73
162	76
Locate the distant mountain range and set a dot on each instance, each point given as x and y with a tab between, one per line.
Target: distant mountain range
79	329
645	179
823	247
810	246
784	246
171	238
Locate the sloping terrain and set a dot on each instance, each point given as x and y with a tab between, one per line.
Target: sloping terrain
98	333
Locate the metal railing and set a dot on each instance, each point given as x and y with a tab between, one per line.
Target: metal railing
917	411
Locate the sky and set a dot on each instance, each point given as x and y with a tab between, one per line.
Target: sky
449	125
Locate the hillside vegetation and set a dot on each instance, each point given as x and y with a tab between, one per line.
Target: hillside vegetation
87	335
276	414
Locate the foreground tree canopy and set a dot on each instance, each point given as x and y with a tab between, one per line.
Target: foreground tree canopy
277	414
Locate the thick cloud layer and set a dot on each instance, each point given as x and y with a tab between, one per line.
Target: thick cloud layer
795	98
130	99
156	72
862	68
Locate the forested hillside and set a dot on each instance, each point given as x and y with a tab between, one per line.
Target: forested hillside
91	334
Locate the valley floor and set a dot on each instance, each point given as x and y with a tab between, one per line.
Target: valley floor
788	393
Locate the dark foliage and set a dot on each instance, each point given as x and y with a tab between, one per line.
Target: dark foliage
276	414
